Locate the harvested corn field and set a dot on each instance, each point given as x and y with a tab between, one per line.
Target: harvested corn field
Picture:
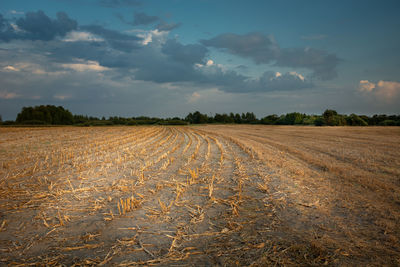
210	195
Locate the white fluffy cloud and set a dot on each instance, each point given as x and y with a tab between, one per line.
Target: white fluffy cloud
298	75
152	36
366	86
10	68
80	36
82	66
31	68
386	91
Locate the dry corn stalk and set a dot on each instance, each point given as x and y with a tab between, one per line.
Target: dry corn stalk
194	174
164	208
3	225
234	207
211	186
127	204
262	187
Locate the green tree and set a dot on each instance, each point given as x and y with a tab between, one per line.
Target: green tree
237	118
355	120
332	118
293	118
45	115
196	118
249	117
270	119
329	117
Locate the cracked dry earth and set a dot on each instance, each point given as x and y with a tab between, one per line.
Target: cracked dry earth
190	196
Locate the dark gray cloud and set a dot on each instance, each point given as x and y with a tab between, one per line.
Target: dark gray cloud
320	62
38	26
164	26
228	80
67	51
124	57
264	49
117	40
173	62
231	81
259	47
144	19
119	3
187	54
121	18
290	81
3	22
7	33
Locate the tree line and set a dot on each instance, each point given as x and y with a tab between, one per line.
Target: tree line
328	118
52	115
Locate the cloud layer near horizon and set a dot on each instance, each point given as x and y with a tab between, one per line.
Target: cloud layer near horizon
160	59
264	49
385	91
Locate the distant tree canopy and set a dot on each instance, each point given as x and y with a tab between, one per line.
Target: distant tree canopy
196	118
44	115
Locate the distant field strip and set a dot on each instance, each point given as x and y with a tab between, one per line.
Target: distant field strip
209	195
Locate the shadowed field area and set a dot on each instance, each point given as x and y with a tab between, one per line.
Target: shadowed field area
219	195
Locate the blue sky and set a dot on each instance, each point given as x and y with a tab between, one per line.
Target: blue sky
171	57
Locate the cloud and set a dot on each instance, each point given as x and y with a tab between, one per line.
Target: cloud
92	51
289	81
320	62
194	97
385	91
388	90
164	26
209	62
141	18
208	95
117	40
263	49
366	86
10	68
7	31
82	66
62	97
15	12
28	68
119	3
8	95
231	81
187	54
38	26
144	19
152	36
81	36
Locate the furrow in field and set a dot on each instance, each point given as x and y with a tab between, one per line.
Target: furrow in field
167	204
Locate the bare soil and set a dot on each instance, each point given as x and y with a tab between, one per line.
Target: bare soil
214	195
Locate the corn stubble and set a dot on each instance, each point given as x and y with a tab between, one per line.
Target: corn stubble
210	195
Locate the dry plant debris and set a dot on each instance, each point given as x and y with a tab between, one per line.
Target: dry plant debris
204	195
